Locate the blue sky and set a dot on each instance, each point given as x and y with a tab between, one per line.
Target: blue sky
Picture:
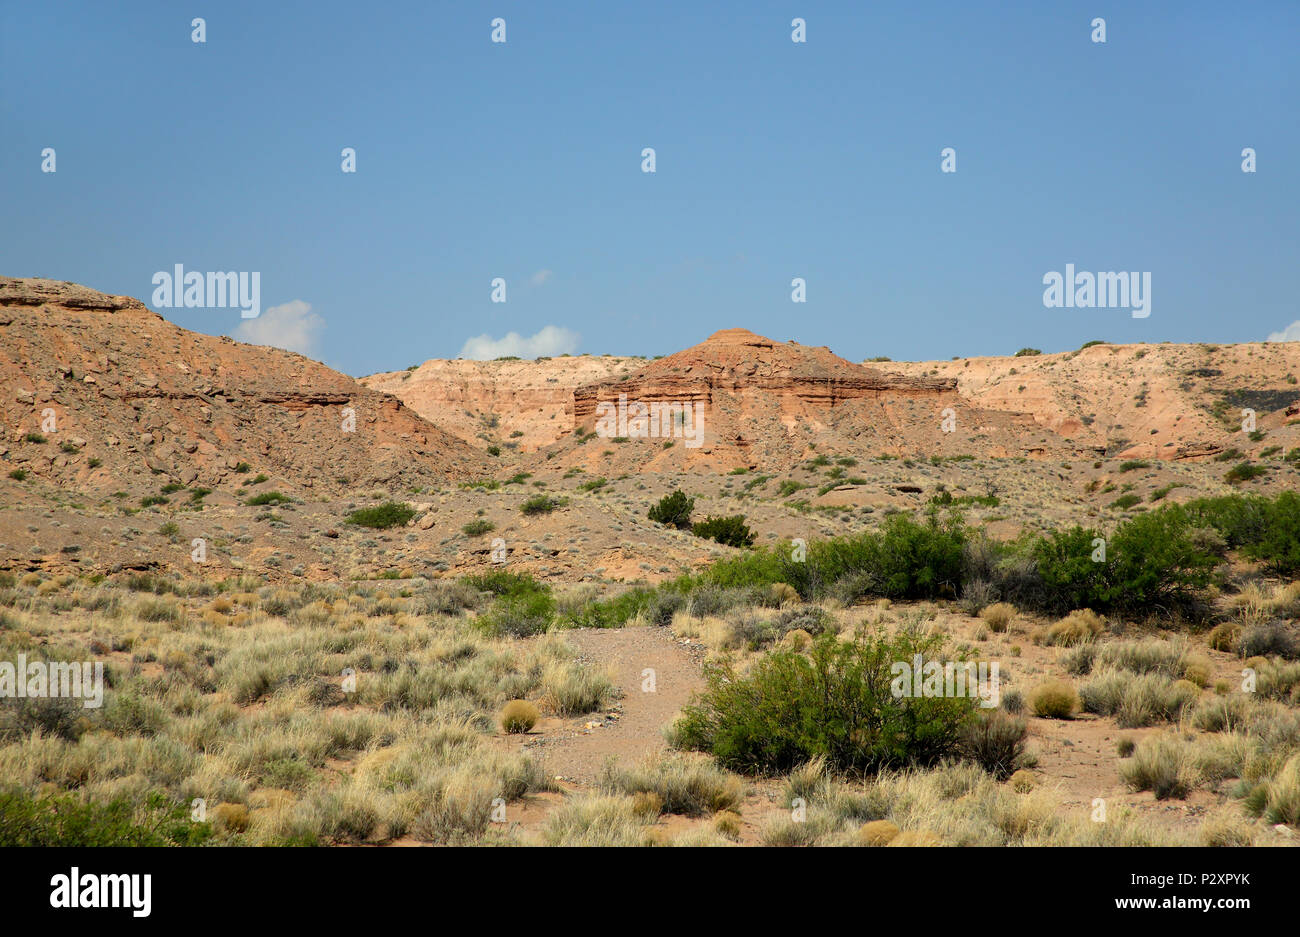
774	160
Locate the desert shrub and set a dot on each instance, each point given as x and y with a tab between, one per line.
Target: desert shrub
478	527
275	497
919	560
977	594
1054	700
1243	471
1267	639
383	516
518	615
835	701
129	713
729	531
518	716
540	504
1278	544
996	742
674	510
55	716
1150	560
998	616
1224	637
1159	764
66	820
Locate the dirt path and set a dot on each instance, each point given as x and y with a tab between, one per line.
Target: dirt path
576	749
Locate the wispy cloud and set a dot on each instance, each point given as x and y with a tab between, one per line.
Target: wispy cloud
1289	334
550	341
540	277
291	326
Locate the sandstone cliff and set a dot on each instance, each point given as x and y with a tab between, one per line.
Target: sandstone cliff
99	391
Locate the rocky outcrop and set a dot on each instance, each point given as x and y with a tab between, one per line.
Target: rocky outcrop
122	398
737	361
511	404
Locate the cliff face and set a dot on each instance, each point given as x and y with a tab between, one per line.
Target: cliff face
1163	401
122	397
518	404
736	362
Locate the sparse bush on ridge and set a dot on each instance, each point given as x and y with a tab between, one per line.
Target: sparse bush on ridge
381	517
674	510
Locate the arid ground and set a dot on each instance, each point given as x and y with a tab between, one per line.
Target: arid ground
431	606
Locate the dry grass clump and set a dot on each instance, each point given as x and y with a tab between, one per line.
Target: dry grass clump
1023	781
1197	669
961	806
518	716
683	784
572	690
782	593
249	717
1227	828
1137	700
594	821
1080	625
998	617
647	804
1282	794
1161	764
1055	699
231	817
877	833
727	823
1224	637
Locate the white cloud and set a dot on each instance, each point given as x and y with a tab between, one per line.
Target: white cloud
540	277
550	341
1289	334
292	326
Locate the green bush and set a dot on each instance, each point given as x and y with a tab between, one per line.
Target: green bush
729	531
65	820
275	497
835	702
381	517
996	742
674	510
520	615
540	504
1149	560
1244	471
1278	542
478	527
